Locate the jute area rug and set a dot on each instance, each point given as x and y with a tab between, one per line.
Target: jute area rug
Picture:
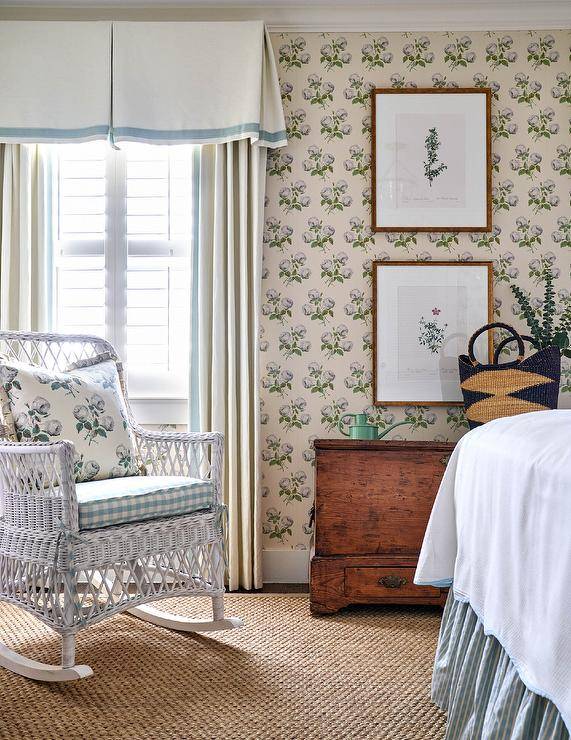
362	673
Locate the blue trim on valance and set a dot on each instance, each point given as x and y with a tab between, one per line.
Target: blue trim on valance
200	134
273	136
57	134
106	132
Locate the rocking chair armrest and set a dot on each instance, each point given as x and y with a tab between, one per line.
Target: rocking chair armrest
194	454
32	472
213	437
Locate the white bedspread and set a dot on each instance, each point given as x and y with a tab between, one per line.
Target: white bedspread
500	530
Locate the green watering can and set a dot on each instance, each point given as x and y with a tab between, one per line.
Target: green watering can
362	430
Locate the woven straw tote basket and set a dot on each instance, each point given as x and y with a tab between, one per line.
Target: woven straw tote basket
492	391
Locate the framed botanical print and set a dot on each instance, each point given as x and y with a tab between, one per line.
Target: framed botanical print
424	313
431	159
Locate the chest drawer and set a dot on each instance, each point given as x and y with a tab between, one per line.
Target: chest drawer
385	583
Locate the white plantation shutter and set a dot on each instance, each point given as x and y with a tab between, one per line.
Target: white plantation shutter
80	223
158	228
123	257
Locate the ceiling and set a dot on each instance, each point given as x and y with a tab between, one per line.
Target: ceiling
313	15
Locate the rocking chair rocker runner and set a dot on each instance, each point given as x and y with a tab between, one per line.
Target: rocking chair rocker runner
71	578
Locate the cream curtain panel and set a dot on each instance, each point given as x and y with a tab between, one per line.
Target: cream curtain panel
55	80
24	219
195	83
224	363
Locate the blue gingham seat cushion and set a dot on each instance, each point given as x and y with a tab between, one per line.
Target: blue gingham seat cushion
106	503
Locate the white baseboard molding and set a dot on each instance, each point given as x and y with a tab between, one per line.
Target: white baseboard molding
285	566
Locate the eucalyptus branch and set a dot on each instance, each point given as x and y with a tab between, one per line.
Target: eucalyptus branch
548	311
546	334
565	319
528	313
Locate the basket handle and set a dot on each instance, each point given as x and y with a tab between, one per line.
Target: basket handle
507	341
488	327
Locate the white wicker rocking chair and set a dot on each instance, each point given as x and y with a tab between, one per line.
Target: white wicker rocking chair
71	579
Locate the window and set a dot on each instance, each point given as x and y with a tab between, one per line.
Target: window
122	235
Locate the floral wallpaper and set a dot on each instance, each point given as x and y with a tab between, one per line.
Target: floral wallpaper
316	326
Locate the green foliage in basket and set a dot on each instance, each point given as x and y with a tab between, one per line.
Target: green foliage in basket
545	333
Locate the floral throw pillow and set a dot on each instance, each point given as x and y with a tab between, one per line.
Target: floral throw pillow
85	406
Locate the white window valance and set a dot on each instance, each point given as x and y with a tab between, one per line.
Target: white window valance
55	80
169	83
195	83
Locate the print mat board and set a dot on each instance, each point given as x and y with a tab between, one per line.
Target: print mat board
431	159
424	313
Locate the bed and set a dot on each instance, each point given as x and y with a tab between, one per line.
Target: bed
500	536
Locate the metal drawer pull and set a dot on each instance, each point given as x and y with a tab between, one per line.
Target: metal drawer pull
444	460
393	581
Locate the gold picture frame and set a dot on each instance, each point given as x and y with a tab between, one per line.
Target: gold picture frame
401	121
468	305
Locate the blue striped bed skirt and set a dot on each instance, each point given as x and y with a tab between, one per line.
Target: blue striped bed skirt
478	687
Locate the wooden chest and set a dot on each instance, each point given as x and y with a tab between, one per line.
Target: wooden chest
372	504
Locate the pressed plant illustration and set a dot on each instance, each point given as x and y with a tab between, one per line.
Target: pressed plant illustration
431	335
432	167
